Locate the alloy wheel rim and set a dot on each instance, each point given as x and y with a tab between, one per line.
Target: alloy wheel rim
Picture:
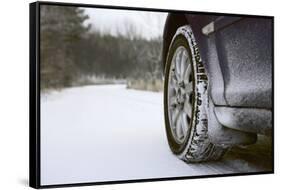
180	94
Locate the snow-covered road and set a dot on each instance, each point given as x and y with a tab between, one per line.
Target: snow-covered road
110	133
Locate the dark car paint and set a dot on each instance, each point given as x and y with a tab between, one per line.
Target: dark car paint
237	56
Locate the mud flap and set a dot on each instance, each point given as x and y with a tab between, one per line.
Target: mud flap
226	137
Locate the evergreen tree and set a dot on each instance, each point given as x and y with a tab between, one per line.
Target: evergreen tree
61	28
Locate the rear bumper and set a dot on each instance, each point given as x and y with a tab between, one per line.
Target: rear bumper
252	120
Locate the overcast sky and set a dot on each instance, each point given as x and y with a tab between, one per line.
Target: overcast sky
145	23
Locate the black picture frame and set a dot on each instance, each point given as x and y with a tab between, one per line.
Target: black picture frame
34	95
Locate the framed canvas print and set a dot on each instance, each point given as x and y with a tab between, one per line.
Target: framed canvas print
122	94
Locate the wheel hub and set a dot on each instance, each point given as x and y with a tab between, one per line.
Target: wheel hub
181	96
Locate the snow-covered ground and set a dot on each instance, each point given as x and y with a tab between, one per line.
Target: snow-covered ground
110	133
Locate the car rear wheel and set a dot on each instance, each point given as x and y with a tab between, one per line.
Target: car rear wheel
186	101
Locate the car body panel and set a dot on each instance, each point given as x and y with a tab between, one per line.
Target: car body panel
245	119
237	52
245	51
237	56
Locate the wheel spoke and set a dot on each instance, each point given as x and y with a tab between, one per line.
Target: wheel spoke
188	88
183	64
172	86
172	92
174	69
174	77
184	123
175	116
179	130
178	65
187	74
188	108
173	101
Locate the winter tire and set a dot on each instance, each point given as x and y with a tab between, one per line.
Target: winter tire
186	101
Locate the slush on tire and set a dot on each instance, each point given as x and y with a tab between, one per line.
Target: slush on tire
186	101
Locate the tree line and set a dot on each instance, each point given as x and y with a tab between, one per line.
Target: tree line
71	50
